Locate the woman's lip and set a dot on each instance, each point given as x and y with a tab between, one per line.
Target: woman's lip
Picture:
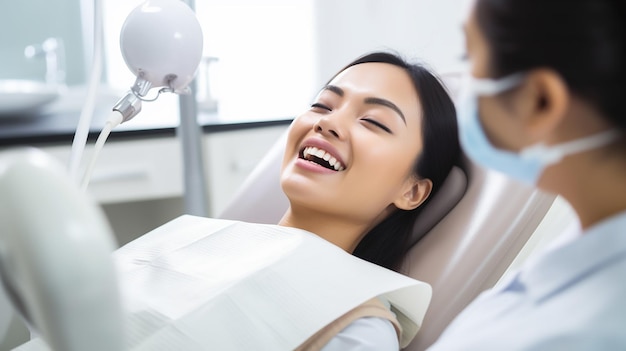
324	145
313	167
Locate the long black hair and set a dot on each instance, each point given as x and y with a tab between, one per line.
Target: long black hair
388	242
584	41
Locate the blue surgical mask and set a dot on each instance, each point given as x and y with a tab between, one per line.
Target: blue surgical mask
526	165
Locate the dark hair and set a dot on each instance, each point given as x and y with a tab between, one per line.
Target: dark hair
584	41
389	241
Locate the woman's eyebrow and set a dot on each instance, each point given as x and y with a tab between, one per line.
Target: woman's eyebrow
387	103
370	100
335	89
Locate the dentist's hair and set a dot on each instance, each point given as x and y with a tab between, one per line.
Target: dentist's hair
584	41
389	241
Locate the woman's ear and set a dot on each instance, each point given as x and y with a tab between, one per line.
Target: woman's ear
551	98
417	192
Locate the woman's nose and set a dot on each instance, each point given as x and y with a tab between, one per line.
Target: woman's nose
328	127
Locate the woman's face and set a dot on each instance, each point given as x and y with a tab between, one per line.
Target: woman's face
351	154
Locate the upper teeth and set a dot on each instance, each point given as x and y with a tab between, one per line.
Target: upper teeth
313	151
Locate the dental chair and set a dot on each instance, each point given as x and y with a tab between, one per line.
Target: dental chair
466	237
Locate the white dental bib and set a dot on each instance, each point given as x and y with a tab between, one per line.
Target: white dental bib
206	284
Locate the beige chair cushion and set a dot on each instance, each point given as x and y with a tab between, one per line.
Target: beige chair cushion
451	192
469	250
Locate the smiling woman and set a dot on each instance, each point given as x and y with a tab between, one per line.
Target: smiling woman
376	144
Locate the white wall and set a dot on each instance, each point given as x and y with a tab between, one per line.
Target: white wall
429	30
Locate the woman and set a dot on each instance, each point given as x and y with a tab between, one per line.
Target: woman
544	105
377	142
390	127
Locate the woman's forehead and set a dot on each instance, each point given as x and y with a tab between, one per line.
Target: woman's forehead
373	76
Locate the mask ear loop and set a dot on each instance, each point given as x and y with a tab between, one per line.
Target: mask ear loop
550	154
490	87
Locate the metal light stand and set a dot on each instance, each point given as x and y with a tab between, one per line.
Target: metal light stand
190	133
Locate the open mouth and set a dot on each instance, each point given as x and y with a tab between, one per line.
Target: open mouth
322	158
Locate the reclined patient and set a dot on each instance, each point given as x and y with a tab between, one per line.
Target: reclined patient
376	144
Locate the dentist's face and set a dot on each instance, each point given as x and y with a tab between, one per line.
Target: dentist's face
501	115
352	153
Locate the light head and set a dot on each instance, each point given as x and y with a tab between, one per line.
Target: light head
161	42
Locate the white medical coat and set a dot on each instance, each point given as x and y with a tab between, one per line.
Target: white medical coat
573	297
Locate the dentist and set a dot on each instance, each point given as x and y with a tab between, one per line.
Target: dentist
543	103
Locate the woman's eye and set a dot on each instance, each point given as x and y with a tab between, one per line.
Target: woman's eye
319	106
378	124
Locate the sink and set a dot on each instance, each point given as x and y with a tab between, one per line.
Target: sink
25	96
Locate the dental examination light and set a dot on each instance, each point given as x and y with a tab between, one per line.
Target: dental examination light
161	43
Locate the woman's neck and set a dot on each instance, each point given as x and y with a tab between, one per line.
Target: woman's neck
337	230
